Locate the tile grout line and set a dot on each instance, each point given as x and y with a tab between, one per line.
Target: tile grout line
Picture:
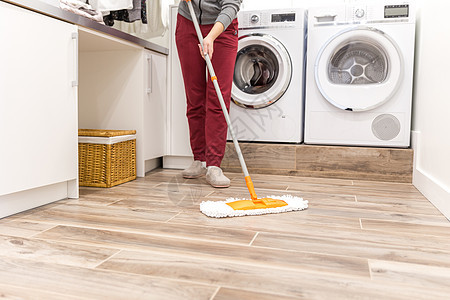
170	219
370	270
209	194
114	202
48	229
108	258
253	239
215	293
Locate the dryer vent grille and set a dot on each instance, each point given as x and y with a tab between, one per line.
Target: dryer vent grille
386	127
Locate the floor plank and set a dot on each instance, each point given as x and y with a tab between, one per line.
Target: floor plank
20	228
51	252
364	246
439	230
227	293
421	276
95	284
21	292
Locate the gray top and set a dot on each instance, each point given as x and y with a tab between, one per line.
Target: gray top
212	11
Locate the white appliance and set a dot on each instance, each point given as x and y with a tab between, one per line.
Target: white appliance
267	93
360	73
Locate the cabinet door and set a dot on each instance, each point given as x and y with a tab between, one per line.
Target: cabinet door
155	104
178	131
38	100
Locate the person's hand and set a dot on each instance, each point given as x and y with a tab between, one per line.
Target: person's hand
208	47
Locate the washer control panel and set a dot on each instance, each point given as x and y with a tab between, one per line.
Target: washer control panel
271	18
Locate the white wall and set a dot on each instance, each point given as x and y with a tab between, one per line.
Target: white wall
270	4
431	104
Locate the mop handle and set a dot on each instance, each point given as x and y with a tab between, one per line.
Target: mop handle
219	93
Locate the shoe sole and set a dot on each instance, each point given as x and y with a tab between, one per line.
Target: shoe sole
220	186
193	176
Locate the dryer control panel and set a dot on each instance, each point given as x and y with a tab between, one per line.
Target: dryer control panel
271	18
389	11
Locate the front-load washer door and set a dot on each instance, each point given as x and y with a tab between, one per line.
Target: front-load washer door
262	72
358	69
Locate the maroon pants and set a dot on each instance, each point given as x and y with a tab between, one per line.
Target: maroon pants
207	125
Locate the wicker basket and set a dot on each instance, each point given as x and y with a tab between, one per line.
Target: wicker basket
106	157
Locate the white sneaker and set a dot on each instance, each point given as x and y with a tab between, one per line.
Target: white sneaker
196	170
215	177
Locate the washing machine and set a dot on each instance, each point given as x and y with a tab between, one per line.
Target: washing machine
268	83
360	73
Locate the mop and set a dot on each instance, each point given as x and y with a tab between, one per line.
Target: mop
233	207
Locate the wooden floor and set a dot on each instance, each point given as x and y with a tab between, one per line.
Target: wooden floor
147	239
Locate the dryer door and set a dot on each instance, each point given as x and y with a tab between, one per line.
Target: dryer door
262	73
359	69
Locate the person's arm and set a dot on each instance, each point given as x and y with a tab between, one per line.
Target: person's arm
208	41
228	12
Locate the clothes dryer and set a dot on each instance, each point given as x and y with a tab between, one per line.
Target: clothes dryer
267	93
360	74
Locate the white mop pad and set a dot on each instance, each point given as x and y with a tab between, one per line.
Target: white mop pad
219	209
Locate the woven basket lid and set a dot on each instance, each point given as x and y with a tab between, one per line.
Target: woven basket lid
104	132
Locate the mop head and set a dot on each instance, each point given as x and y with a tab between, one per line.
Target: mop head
220	209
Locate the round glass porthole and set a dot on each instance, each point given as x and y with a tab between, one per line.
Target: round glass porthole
262	71
358	62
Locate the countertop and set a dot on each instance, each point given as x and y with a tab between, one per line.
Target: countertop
58	13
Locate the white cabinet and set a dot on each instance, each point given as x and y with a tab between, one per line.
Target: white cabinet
38	107
155	104
123	86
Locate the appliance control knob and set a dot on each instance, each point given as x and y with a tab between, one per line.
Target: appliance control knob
359	13
254	19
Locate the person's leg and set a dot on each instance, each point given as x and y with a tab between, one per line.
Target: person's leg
193	68
224	58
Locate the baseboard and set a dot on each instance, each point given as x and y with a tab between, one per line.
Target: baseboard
152	164
431	188
433	191
21	201
177	162
73	189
